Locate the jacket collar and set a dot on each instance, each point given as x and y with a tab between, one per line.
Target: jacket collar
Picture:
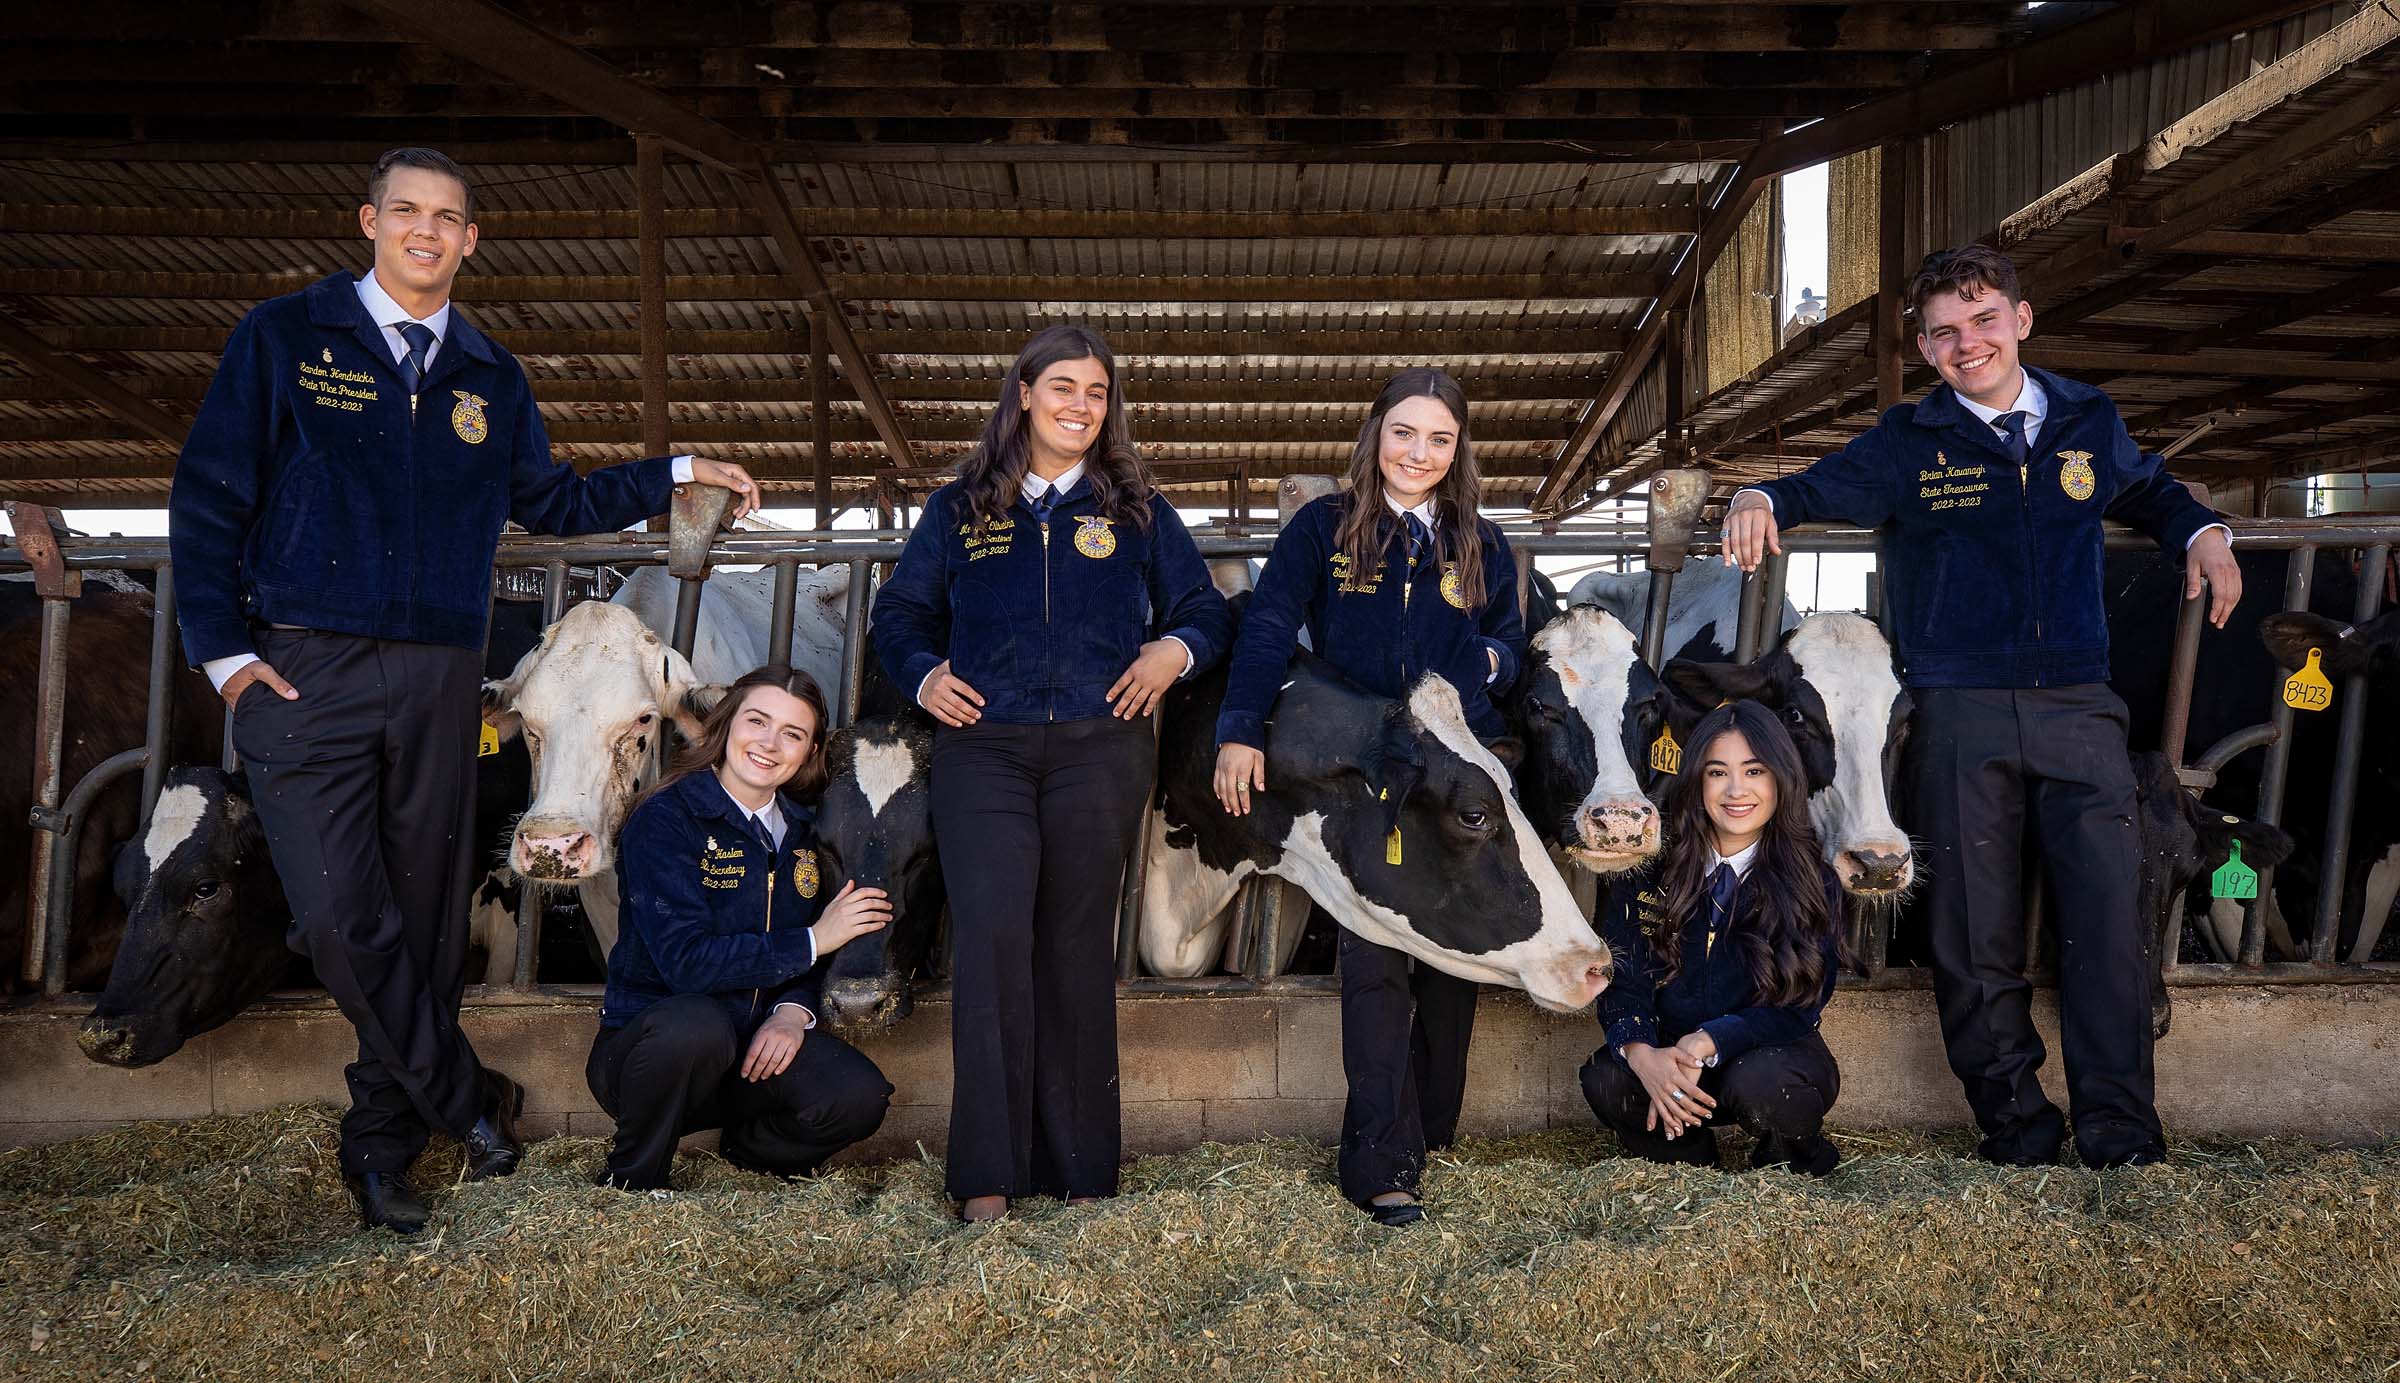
1941	408
333	304
703	795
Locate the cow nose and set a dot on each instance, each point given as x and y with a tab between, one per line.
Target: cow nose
1874	871
106	1042
562	855
1620	826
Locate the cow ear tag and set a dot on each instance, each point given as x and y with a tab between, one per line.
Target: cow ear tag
489	744
2233	878
2307	689
1666	756
1391	843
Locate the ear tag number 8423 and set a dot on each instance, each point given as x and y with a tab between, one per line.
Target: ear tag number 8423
2307	689
2233	878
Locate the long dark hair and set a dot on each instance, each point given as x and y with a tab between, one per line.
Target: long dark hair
1781	915
1368	526
705	752
992	472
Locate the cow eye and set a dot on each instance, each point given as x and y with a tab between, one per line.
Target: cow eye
1795	715
1475	820
204	890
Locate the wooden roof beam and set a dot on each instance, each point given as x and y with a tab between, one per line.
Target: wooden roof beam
2339	247
134	411
2299	307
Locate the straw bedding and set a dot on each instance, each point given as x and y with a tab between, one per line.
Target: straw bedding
225	1248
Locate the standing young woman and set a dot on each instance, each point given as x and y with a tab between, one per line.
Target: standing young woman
1397	577
1044	603
710	1016
1725	958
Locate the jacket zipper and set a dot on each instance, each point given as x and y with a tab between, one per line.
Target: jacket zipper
1044	524
1407	588
2033	588
757	994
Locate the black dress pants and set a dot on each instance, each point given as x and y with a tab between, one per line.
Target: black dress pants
676	1069
1778	1095
365	787
1034	822
1405	1030
1989	764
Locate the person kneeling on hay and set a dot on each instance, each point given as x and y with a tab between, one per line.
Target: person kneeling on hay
709	1020
1726	954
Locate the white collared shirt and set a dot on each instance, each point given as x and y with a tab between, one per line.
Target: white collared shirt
1741	859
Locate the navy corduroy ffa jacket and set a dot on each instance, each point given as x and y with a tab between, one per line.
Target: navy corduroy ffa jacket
311	492
1992	573
705	907
1383	634
1712	991
1042	620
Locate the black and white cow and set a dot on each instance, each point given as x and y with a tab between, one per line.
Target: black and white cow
1588	710
1704	607
875	825
1391	815
1832	679
2183	842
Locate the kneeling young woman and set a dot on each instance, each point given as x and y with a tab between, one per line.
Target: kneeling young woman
710	1016
1725	956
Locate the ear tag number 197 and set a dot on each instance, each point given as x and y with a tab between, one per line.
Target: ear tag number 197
2233	878
2307	689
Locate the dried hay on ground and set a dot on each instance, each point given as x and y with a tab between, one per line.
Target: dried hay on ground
224	1249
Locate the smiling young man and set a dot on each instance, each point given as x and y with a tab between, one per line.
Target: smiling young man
1990	495
333	524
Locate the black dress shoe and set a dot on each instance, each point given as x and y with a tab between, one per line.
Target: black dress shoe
1397	1215
1814	1156
387	1201
492	1147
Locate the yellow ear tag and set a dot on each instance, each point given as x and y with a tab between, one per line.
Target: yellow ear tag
1391	843
489	744
2307	689
1666	756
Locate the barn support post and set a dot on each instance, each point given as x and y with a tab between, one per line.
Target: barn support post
2332	878
820	412
554	591
854	638
2181	671
2298	573
49	747
160	723
779	611
650	216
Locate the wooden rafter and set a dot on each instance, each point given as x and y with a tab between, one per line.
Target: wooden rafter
136	412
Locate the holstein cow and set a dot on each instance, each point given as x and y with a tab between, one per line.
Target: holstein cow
591	702
2236	685
1704	607
2183	842
1393	818
1588	709
875	825
1832	679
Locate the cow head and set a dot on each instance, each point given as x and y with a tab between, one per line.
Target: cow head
205	923
2346	649
1396	820
592	703
1589	709
1832	680
875	825
2183	842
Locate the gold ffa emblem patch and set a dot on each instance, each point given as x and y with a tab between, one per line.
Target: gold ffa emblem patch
467	418
329	355
2075	474
1451	590
1094	538
804	873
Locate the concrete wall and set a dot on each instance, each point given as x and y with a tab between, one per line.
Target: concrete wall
2315	1060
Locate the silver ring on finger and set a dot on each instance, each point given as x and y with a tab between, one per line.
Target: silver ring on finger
1674	1094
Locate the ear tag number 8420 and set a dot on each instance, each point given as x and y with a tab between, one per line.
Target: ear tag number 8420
1666	756
2307	689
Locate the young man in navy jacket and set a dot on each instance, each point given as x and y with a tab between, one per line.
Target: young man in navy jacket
333	523
1990	494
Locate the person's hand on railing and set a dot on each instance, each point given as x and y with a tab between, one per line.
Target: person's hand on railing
251	672
2210	559
1750	531
727	476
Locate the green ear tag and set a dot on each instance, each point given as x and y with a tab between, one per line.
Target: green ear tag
2233	878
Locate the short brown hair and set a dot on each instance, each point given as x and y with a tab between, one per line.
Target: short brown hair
428	160
1969	271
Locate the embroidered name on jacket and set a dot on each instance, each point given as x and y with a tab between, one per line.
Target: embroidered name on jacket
988	538
721	866
1340	567
330	386
1946	486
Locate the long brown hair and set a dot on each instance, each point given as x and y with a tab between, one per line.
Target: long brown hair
993	471
707	750
1367	528
1781	917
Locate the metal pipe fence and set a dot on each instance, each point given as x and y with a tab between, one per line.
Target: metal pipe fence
59	812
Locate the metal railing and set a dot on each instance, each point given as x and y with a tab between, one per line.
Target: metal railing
58	817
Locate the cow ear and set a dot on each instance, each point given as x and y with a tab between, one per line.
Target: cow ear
678	692
1394	765
500	708
2289	635
1508	749
1709	685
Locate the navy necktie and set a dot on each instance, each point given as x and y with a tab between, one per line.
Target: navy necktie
2012	428
420	344
1043	504
1419	536
1721	886
766	837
